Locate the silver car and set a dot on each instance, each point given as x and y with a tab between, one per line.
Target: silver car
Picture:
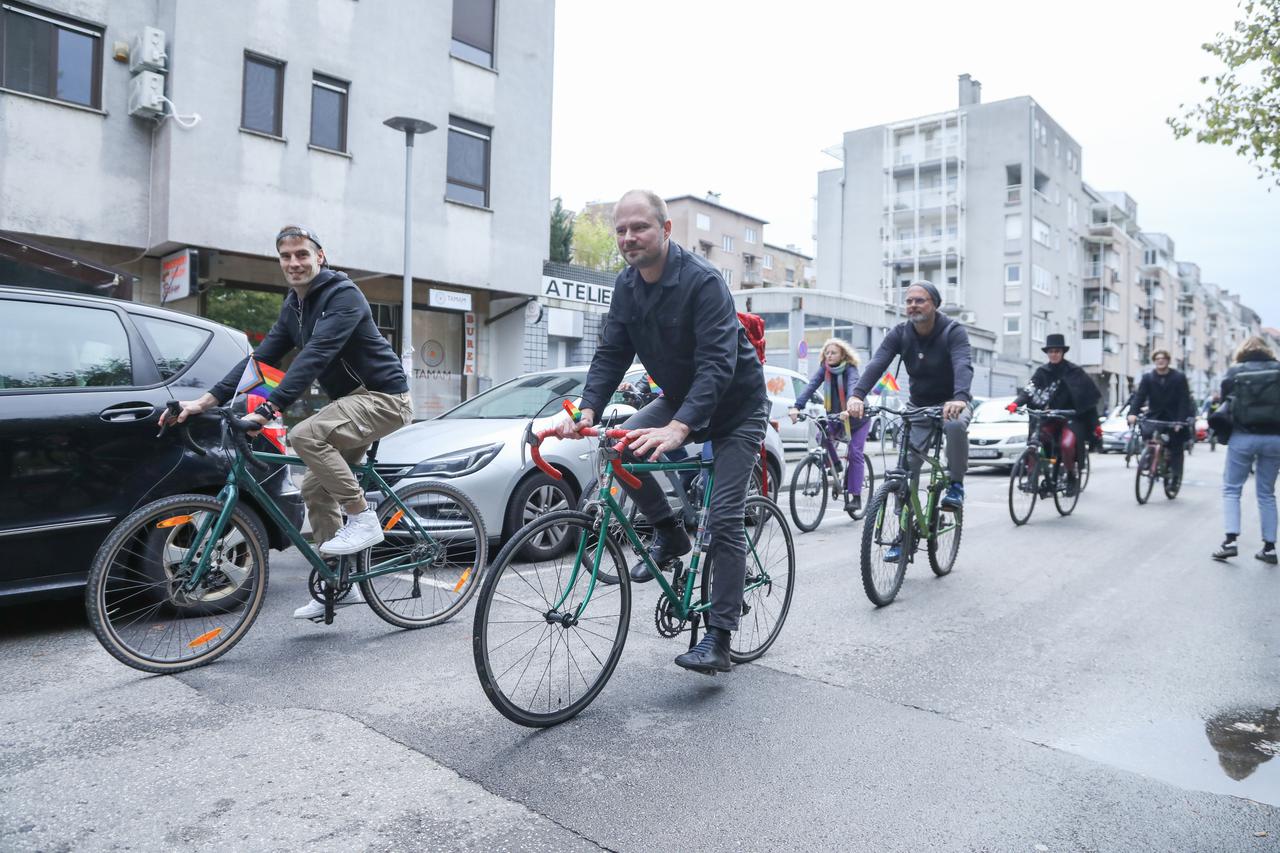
996	436
476	446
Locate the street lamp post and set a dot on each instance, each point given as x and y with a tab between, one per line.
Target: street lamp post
409	127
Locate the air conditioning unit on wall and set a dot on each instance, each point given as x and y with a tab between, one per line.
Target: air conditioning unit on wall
968	317
146	95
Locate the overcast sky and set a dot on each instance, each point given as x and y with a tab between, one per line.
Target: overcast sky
741	96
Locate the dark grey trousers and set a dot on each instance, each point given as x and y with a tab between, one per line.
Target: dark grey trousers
735	456
957	432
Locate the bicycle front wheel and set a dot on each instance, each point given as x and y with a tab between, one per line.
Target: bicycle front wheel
137	598
1172	483
1085	468
1024	486
1144	478
432	557
1062	503
540	664
809	492
770	578
885	544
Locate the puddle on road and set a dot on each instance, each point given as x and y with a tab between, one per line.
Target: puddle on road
1229	753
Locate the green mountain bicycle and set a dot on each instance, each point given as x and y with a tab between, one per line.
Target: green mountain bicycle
897	522
548	634
181	580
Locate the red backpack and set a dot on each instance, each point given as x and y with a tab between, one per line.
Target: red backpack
754	327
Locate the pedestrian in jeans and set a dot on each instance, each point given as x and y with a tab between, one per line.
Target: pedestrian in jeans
838	376
1253	384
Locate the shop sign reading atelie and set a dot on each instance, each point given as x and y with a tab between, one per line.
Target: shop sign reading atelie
577	291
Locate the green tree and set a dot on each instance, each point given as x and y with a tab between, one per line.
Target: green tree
251	311
561	234
594	245
1244	109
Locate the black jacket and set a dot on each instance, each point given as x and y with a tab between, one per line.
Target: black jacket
340	345
940	365
688	338
1067	387
1252	361
1167	398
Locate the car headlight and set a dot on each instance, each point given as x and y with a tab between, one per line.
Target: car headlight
1016	439
459	463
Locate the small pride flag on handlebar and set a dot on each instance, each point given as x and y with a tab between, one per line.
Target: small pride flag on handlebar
574	411
653	386
887	383
259	378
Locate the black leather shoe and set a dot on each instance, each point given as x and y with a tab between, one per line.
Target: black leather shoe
669	542
710	656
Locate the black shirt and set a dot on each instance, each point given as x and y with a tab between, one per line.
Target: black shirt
1167	397
685	331
940	364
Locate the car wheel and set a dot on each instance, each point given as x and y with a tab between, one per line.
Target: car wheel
535	497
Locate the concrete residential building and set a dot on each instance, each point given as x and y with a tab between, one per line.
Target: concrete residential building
985	201
290	130
787	267
731	240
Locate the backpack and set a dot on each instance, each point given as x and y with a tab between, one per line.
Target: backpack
1256	399
753	325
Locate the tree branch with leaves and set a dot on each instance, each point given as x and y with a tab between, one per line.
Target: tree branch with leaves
1244	109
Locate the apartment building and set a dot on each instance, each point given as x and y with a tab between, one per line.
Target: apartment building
174	136
731	240
787	266
986	201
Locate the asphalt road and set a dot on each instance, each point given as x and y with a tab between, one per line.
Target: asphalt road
1093	682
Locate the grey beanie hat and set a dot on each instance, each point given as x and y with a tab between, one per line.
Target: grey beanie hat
930	289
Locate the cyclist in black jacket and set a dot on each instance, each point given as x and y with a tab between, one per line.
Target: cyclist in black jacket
1061	384
1167	395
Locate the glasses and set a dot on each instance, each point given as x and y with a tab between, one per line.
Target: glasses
917	300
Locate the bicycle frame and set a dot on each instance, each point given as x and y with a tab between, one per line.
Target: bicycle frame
902	475
211	529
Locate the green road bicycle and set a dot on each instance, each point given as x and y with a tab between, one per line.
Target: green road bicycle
1155	462
896	521
548	634
181	580
1039	473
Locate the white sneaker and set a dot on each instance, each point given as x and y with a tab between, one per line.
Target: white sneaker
361	531
315	610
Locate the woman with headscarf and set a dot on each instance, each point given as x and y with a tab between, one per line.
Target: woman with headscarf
838	374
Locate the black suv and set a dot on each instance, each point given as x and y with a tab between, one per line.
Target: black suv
82	382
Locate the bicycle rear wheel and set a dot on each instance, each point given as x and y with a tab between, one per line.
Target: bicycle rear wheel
1024	486
1172	481
882	572
1144	478
540	666
770	578
809	492
439	549
135	596
944	538
1085	468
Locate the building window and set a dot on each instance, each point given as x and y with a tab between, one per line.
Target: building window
727	275
1012	274
1040	231
263	95
1013	226
1057	148
703	222
727	243
768	261
1073	212
751	236
473	31
790	274
1041	280
468	168
329	112
1013	324
1039	327
50	56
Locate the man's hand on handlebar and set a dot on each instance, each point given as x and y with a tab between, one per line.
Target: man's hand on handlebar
1133	419
952	409
1011	408
566	428
793	413
655	441
855	407
189	408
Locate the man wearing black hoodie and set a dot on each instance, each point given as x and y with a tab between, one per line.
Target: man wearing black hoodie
326	317
1063	385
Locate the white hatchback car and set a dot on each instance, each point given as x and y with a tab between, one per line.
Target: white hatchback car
996	437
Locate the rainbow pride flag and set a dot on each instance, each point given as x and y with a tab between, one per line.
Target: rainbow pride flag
573	410
887	383
653	386
259	379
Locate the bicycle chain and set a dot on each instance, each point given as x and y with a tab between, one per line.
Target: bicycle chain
667	623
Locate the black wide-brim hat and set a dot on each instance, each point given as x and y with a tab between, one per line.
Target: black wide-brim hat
1055	341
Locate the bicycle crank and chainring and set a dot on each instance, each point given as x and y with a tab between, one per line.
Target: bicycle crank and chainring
666	621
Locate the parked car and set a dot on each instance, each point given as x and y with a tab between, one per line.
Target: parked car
996	435
1115	429
784	386
476	446
82	382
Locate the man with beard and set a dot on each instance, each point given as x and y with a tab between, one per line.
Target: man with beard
1063	385
1167	396
935	350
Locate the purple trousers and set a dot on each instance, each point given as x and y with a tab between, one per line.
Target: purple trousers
856	468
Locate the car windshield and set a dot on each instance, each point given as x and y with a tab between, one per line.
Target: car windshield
535	395
996	411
